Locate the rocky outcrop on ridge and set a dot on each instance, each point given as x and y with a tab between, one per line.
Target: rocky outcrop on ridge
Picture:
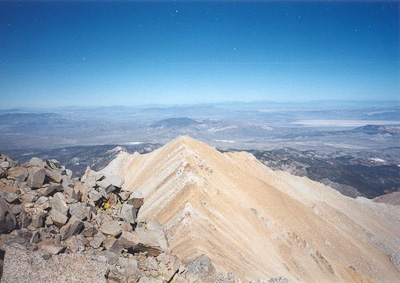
54	228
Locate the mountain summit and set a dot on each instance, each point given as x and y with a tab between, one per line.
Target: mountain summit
257	222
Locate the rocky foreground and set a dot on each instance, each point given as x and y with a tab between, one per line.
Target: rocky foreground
55	228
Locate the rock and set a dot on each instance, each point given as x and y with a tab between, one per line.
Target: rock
111	228
59	203
3	174
70	192
110	189
23	221
104	256
16	209
124	195
35	237
201	270
116	181
97	240
18	173
53	175
95	195
51	248
68	172
129	240
42	203
152	238
109	242
29	197
136	199
8	196
89	230
90	182
128	213
130	265
53	164
74	245
8	221
117	247
5	164
38	219
58	218
80	210
24	266
36	177
73	227
125	226
82	191
50	190
48	221
36	162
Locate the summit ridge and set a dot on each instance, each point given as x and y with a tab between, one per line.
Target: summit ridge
258	222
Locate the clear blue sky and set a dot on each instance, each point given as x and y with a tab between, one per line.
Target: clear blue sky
129	53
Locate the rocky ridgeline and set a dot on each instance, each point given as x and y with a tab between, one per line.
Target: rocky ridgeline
55	228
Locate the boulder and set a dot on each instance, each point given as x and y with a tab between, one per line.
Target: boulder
36	177
38	219
29	197
36	162
136	199
128	213
53	164
53	175
129	239
152	238
8	221
111	227
58	218
10	197
116	181
73	227
59	203
124	195
18	173
89	230
97	240
80	210
201	270
50	189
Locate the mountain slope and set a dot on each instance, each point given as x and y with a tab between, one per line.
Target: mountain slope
257	222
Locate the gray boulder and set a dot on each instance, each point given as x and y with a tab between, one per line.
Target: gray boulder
97	240
8	221
58	218
111	227
201	270
128	213
50	189
18	173
152	238
36	177
59	203
129	239
36	162
73	227
53	175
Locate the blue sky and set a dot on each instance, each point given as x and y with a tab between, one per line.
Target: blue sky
130	53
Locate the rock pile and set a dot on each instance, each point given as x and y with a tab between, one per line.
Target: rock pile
55	228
